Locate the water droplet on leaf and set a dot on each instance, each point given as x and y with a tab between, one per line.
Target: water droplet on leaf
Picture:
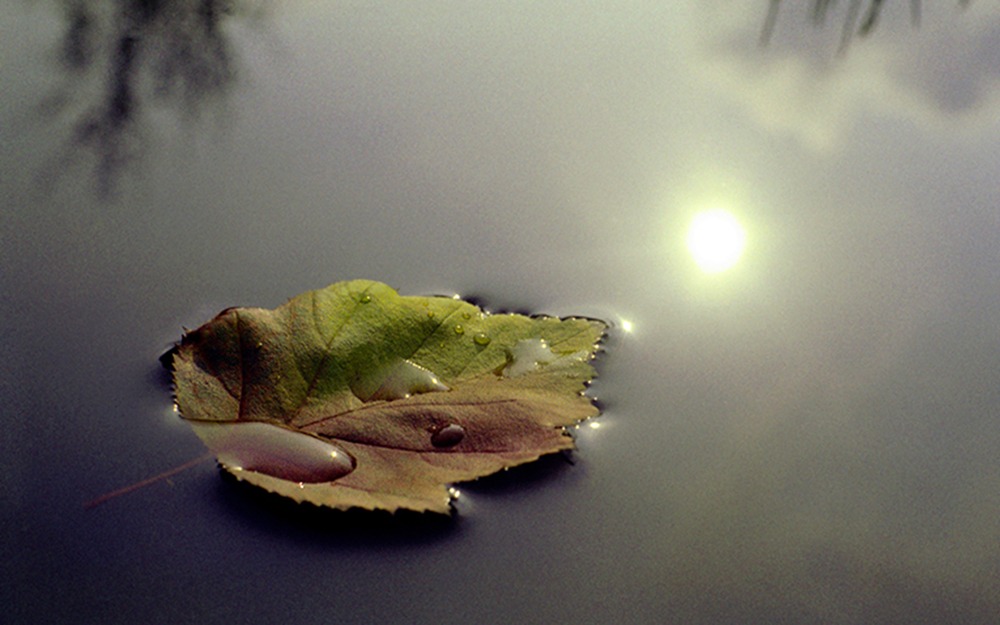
481	339
459	329
527	356
448	436
365	298
397	380
275	451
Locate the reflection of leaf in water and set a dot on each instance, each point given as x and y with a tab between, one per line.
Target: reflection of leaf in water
119	56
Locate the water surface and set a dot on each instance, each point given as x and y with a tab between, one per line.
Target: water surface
807	437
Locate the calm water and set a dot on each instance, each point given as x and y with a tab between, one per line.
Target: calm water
808	437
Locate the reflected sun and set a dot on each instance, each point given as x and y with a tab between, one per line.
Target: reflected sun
716	240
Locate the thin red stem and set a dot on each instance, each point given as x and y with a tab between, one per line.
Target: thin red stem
147	482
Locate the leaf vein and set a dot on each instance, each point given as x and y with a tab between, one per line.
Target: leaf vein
326	350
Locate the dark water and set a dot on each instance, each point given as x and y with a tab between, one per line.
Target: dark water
809	437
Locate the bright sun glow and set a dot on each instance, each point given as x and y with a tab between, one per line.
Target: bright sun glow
715	240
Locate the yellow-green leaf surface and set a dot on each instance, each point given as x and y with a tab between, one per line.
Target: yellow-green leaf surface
354	396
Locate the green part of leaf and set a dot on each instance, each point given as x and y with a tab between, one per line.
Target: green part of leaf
421	392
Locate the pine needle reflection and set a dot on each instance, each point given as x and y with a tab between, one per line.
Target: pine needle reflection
120	56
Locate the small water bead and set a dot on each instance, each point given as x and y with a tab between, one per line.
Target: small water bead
365	298
448	436
481	339
459	329
466	315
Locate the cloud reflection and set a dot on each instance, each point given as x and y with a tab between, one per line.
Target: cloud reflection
938	76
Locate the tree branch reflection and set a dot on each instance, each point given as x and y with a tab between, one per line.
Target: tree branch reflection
819	9
120	57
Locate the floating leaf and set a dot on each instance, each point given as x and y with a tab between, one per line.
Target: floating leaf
356	396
